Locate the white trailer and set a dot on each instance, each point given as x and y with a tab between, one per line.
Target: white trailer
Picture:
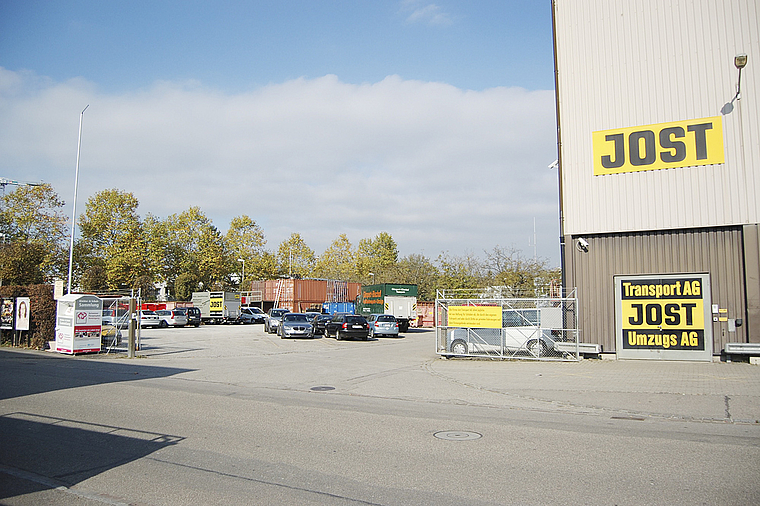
217	307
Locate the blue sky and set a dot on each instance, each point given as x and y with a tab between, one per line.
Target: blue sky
444	111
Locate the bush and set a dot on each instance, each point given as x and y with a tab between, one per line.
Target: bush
41	317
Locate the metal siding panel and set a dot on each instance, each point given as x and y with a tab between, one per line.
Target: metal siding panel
718	252
625	63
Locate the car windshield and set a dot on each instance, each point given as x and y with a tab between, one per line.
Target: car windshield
279	312
386	318
180	312
355	319
148	313
295	318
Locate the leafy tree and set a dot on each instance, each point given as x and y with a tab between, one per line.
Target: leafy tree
294	257
192	244
245	240
458	272
111	230
184	286
21	263
34	215
378	256
417	269
526	277
94	279
338	261
212	260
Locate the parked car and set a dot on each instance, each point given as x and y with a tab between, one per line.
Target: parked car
319	321
347	327
116	317
521	332
193	316
273	319
295	325
251	315
171	318
110	335
149	318
382	325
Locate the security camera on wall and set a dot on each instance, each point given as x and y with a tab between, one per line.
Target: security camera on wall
582	245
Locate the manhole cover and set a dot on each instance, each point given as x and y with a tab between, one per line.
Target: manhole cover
457	435
321	389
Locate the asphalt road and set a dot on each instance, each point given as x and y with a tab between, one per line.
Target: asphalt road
231	415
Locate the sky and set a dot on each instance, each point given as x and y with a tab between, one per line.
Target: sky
431	121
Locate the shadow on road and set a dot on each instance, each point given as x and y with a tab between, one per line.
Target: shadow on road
43	453
40	453
26	373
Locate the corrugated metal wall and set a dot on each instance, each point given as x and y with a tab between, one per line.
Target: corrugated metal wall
623	63
719	252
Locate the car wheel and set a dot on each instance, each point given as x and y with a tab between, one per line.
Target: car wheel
459	347
537	347
163	324
337	335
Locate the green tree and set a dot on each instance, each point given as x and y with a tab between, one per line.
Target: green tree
338	261
525	277
21	263
192	244
112	232
378	256
458	272
34	215
245	240
294	257
417	269
184	286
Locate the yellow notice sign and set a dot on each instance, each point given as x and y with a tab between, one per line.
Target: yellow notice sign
660	146
478	317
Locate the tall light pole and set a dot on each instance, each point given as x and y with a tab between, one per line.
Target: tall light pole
243	277
74	210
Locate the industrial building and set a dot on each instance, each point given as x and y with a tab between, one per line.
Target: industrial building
659	157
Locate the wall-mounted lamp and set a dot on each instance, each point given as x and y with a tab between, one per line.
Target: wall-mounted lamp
740	61
582	245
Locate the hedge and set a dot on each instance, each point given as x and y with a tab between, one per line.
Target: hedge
41	315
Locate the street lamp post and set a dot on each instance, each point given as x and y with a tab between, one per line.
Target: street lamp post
373	277
243	276
74	210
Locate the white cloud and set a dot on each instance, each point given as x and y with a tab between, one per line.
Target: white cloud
420	12
437	167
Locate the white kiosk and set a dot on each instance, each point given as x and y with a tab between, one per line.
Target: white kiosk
78	324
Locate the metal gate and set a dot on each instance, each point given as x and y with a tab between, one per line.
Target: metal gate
481	323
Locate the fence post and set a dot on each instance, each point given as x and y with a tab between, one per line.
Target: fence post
131	346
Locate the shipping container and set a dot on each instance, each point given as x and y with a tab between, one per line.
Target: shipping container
387	298
338	307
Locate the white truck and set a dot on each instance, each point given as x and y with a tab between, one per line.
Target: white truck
217	307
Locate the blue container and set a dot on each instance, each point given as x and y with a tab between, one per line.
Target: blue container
338	307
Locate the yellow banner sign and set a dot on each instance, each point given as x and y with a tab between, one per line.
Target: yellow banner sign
660	146
478	317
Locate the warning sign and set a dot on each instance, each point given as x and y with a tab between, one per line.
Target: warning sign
477	317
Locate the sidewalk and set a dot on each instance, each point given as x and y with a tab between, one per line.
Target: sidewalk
692	391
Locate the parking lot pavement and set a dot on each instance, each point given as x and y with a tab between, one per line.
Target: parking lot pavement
408	367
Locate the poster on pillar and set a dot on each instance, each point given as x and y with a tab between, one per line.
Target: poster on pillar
663	317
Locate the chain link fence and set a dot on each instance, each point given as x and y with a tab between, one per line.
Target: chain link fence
484	323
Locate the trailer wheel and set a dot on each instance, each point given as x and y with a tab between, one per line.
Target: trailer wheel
459	347
537	347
